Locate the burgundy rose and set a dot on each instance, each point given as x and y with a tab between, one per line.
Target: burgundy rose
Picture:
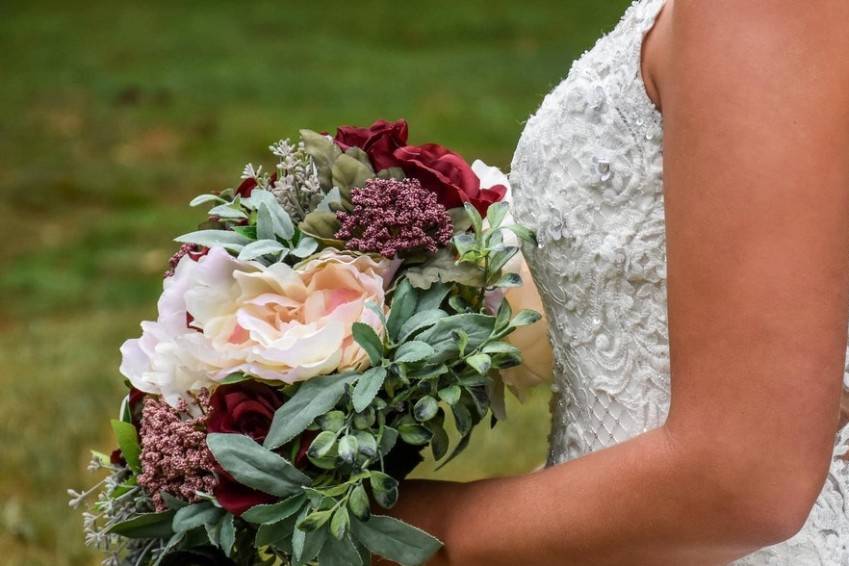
247	186
379	141
447	174
245	408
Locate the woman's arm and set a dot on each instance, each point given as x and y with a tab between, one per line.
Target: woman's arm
756	113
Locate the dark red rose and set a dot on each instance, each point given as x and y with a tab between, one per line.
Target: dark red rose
248	185
379	141
246	408
447	174
243	408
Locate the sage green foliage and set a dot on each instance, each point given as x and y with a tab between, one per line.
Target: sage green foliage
114	115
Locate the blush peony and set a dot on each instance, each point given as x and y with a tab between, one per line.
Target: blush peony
276	322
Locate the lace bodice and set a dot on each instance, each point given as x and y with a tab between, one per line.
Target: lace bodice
588	177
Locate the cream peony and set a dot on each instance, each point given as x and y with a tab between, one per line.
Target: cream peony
282	323
277	323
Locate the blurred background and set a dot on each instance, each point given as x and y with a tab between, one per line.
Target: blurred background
112	116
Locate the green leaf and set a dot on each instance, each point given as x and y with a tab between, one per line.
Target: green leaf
369	340
349	172
442	268
450	394
503	316
367	387
425	409
500	258
358	503
462	419
396	540
227	534
388	438
339	523
324	153
381	482
237	377
323	227
475	217
465	242
274	512
523	233
413	351
348	448
366	443
278	534
431	299
203	199
414	434
261	248
418	321
315	520
306	247
306	545
477	326
332	421
322	446
227	211
215	238
146	525
128	442
403	306
480	362
313	399
498	347
525	317
496	213
196	515
508	281
339	553
254	466
439	442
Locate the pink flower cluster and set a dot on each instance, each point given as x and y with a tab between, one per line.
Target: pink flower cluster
174	456
391	217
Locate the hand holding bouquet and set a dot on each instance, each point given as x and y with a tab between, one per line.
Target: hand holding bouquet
313	337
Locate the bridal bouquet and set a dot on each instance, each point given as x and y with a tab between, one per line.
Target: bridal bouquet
312	338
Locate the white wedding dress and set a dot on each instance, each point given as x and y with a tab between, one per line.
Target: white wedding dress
588	177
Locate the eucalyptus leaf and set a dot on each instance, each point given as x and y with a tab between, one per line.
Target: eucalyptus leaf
402	308
337	552
414	434
348	448
525	317
368	339
480	362
367	388
523	233
395	540
478	327
275	512
439	441
388	438
431	299
254	466
413	351
313	399
196	515
500	258
418	321
322	445
450	394
358	503
475	217
425	409
366	443
339	523
227	534
496	213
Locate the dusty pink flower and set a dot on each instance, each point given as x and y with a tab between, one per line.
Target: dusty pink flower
393	217
174	456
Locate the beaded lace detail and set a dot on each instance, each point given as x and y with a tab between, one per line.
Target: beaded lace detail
587	175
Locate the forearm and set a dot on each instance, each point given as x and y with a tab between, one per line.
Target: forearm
636	503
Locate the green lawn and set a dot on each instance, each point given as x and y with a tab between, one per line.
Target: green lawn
112	116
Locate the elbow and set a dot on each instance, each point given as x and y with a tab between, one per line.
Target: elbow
756	500
777	511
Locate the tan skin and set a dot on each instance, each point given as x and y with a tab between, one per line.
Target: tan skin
755	97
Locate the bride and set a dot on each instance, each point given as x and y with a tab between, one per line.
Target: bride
689	184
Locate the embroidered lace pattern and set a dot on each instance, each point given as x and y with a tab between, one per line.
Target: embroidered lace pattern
588	177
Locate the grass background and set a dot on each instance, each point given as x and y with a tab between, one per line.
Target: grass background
113	115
